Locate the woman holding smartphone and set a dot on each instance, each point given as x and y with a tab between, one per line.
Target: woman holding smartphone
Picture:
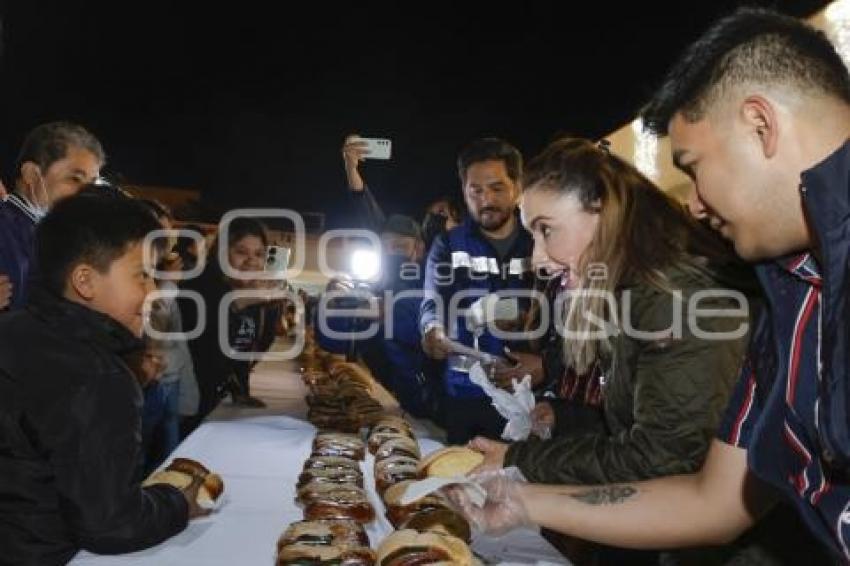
251	322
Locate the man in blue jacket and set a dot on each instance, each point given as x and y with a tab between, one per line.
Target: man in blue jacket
489	252
56	160
758	113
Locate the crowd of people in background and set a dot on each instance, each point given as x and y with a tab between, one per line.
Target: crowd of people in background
750	423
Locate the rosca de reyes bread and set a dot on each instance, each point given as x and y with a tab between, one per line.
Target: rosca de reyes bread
182	471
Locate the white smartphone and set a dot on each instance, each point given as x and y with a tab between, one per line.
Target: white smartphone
277	259
378	148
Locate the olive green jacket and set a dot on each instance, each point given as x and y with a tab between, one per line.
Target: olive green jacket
662	397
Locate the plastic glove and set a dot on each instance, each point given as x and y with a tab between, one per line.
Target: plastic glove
515	407
543	420
493	451
503	509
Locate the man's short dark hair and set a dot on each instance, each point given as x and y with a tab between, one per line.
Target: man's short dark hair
48	143
751	45
490	149
88	228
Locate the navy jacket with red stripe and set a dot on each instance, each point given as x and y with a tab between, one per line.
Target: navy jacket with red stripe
791	408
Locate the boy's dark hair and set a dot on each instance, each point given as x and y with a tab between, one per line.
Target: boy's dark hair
156	208
750	45
48	143
88	228
490	149
100	189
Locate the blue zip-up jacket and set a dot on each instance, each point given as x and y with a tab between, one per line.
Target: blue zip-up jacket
17	241
464	260
826	198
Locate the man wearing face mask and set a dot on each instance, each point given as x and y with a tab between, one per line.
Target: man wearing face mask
56	160
441	216
489	252
404	251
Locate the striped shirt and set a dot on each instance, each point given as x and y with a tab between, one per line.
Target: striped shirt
773	410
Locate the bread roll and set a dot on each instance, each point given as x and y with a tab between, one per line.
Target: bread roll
319	490
394	469
437	519
382	434
407	547
180	474
339	444
313	555
345	475
188	466
331	508
398	446
393	422
451	461
398	513
331	463
339	532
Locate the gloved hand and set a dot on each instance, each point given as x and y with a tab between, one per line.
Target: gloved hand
523	363
493	450
503	509
543	420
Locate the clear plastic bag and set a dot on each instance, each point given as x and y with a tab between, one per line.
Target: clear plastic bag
516	407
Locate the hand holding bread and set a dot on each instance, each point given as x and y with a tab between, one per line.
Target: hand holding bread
201	487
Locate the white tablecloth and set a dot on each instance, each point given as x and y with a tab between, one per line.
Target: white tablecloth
259	460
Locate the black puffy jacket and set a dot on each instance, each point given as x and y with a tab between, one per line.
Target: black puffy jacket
69	436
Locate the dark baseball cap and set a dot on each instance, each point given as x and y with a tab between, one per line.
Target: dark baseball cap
402	225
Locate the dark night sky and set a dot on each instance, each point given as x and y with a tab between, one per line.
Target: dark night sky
250	101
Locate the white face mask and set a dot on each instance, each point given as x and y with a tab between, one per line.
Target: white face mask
40	201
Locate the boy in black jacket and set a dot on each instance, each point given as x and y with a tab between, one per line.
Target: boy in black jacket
69	405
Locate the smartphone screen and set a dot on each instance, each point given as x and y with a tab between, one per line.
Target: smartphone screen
277	259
